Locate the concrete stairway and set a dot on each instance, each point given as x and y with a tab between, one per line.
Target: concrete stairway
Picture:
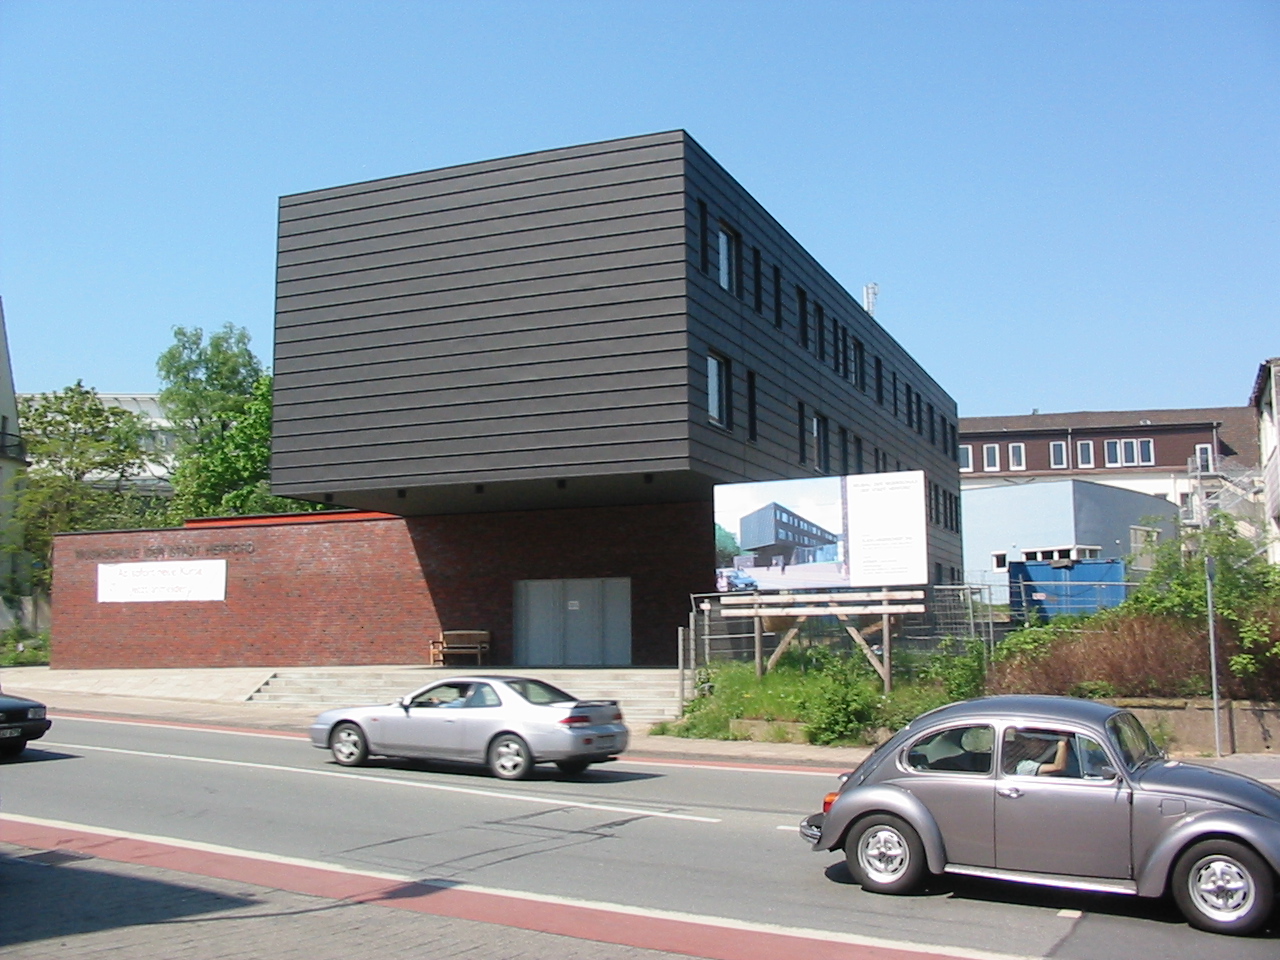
646	694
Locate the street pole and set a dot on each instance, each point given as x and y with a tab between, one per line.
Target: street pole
1213	651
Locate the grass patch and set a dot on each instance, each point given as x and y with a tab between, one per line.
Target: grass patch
22	648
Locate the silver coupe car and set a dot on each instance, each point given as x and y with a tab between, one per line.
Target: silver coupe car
510	723
1061	792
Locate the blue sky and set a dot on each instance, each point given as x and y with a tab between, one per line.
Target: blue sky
1065	205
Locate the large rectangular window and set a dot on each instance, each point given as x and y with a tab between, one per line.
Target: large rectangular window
719	405
1017	456
1129	453
751	405
1111	450
1204	457
990	457
1146	453
966	458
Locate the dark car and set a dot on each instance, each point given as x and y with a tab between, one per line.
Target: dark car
21	720
737	580
1061	792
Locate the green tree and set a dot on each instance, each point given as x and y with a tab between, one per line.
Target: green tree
207	383
726	547
82	453
1246	588
230	472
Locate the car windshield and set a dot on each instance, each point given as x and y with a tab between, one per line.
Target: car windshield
1131	741
535	691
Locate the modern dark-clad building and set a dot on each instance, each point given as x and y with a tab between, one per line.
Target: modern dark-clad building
773	531
572	341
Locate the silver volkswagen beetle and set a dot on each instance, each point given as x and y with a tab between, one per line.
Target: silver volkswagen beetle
510	723
1062	792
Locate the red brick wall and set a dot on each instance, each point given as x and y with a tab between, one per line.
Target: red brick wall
369	591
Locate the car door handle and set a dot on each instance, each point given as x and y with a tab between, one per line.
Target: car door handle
1013	793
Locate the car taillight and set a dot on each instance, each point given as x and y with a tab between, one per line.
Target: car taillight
828	800
576	718
618	716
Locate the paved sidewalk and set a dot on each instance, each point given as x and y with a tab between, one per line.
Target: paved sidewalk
80	908
180	700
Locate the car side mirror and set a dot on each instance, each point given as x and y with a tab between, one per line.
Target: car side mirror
404	703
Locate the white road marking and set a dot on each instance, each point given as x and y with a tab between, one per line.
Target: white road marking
416	784
789	826
1071	914
809	933
198	728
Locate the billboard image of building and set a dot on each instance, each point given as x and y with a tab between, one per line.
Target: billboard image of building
869	530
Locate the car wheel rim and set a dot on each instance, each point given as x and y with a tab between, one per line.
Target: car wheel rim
883	854
509	757
1221	888
346	744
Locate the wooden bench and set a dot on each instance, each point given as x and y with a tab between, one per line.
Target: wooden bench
468	642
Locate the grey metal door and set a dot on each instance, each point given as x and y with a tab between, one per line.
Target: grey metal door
578	623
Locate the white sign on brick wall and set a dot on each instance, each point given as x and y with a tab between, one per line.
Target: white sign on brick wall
162	580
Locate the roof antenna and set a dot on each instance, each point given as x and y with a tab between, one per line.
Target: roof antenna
869	292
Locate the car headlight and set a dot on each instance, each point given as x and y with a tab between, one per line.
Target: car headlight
35	713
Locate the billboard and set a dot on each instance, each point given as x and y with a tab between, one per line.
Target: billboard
163	580
867	530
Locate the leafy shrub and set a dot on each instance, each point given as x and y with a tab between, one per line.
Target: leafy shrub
21	647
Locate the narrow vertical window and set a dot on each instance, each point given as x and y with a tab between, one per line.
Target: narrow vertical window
822	443
1204	457
920	413
858	466
777	297
1084	454
1111	449
719	399
859	365
802	424
802	314
1129	453
908	396
1146	453
933	428
1058	454
895	395
990	457
1017	456
820	329
844	452
751	405
729	260
704	239
757	281
966	458
879	381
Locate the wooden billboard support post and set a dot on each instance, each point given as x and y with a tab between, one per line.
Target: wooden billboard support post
841	604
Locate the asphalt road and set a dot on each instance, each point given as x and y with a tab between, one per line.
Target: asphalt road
697	839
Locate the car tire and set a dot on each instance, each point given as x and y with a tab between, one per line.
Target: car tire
349	745
12	748
509	757
571	768
885	854
1224	887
